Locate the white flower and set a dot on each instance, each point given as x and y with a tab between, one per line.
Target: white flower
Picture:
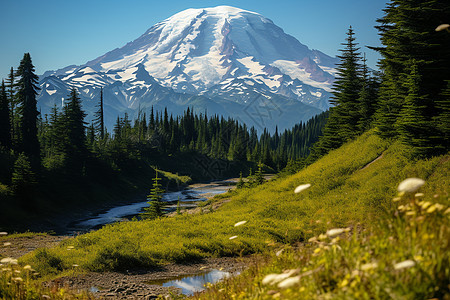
240	223
7	244
233	237
270	278
301	188
404	264
335	231
369	266
275	278
289	282
27	267
3	233
9	260
410	185
442	27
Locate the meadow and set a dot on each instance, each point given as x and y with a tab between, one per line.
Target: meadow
352	188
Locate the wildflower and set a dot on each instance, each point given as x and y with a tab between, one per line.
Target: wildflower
404	264
289	282
418	257
233	237
425	205
396	199
439	206
443	27
335	231
9	260
317	250
3	233
275	278
447	211
240	223
7	244
419	195
70	247
19	279
279	252
369	266
322	237
312	240
343	283
410	185
431	209
302	187
75	265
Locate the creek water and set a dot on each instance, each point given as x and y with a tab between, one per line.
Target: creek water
190	284
187	197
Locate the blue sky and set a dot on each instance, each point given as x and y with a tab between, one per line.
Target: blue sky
58	33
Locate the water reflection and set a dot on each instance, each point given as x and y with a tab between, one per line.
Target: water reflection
193	283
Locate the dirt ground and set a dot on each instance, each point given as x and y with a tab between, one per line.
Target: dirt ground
140	284
132	284
20	246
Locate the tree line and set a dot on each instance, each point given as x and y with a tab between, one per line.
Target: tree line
62	144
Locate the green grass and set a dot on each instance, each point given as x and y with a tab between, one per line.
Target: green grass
343	194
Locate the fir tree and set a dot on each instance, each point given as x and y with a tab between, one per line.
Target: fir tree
11	90
155	210
76	150
346	89
443	118
24	181
407	34
413	127
5	122
99	121
27	91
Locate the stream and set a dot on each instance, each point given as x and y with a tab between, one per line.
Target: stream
188	199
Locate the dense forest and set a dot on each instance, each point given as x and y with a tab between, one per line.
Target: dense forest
43	156
409	98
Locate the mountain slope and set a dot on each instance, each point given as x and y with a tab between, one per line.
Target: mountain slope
349	187
219	53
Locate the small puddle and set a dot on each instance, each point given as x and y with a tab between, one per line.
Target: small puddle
190	284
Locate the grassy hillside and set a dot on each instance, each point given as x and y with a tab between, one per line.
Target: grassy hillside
352	187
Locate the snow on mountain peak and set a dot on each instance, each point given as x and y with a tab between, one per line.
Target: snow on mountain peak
221	51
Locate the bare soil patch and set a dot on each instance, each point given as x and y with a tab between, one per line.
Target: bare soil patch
137	284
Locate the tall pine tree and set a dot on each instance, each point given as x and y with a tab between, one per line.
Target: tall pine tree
76	150
26	94
5	122
99	121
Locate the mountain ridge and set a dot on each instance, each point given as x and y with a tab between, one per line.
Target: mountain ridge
219	53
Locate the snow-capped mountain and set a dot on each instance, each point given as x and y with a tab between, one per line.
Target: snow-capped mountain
223	59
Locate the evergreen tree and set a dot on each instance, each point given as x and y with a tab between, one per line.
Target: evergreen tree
5	122
23	181
259	179
11	89
155	210
99	121
443	118
76	150
407	34
27	91
346	90
345	116
413	127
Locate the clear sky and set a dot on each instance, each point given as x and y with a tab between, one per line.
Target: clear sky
58	33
